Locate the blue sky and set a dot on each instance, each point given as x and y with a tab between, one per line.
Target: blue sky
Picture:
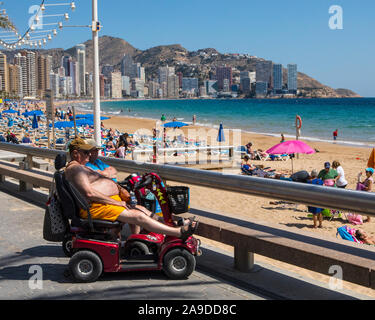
290	31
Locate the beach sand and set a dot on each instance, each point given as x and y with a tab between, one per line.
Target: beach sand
353	160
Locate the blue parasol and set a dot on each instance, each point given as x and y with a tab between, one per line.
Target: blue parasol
175	124
10	111
63	124
32	113
89	116
220	136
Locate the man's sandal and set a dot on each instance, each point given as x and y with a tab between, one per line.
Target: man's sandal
185	234
183	222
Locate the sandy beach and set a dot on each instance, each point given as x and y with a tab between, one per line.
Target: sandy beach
352	159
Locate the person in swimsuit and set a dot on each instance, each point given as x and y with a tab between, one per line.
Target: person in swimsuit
109	200
367	183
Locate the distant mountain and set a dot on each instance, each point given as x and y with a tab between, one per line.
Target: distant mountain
200	63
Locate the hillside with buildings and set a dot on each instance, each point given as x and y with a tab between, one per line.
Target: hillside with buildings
169	71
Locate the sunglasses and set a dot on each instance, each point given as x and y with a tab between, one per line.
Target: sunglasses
86	152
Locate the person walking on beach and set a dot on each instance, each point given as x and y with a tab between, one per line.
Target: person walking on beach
282	138
163	118
366	185
335	134
194	119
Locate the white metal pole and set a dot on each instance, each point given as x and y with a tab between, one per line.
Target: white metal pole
95	37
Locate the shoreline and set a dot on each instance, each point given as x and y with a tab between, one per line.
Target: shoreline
359	144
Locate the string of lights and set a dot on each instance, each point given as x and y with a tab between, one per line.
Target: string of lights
11	39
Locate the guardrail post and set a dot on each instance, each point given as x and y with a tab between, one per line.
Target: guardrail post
243	259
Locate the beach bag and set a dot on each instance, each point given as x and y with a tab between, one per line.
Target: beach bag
360	186
355	219
329	182
55	225
347	233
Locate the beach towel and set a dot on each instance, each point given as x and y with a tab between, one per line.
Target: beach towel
329	182
347	233
354	218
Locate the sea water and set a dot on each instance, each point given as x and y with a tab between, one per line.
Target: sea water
354	118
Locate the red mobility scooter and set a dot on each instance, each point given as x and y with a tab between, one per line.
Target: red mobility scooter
93	248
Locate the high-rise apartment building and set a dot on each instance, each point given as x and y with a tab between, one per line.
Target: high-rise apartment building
125	86
153	89
190	85
55	84
222	74
81	60
164	73
89	84
116	85
172	86
247	79
277	77
41	75
137	88
292	78
4	73
211	87
31	73
261	88
20	60
137	71
264	71
126	65
15	80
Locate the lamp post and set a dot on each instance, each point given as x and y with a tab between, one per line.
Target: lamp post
95	37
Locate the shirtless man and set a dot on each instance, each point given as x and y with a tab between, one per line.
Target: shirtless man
108	199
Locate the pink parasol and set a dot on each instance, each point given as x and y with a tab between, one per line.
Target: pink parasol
290	147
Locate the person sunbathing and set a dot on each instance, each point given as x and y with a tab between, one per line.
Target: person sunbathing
364	237
109	200
246	166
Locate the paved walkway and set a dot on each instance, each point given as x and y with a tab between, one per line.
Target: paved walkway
23	253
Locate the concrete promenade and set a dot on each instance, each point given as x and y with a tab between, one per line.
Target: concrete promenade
23	250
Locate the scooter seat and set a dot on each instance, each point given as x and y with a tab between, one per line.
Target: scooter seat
84	223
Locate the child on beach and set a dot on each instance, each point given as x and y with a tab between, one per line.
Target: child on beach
317	212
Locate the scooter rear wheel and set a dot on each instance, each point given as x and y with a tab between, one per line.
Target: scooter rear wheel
67	245
178	264
136	248
85	266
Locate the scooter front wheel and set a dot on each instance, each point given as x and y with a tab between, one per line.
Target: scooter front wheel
178	264
85	266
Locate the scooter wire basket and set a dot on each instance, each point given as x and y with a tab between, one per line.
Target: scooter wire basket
179	199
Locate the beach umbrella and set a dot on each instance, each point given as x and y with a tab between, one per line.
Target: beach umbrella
371	160
89	116
291	147
10	111
220	135
175	124
84	122
32	113
63	124
35	122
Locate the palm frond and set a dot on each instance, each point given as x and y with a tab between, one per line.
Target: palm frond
6	24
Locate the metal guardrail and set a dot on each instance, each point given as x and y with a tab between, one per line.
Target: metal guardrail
319	196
